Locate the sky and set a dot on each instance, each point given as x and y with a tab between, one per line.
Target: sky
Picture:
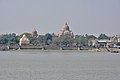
48	16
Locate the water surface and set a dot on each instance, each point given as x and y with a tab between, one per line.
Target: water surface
45	65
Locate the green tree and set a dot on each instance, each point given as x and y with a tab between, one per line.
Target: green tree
48	37
3	39
66	40
90	37
9	38
12	38
41	39
81	40
103	36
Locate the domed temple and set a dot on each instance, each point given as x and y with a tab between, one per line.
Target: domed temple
24	40
34	33
66	30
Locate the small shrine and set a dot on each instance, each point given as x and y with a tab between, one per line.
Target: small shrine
24	41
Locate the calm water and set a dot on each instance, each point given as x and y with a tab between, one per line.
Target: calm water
37	65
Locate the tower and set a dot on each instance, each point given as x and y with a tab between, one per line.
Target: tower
34	33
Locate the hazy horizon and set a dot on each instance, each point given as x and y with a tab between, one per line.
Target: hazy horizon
48	16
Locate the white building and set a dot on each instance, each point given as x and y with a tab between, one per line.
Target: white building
24	40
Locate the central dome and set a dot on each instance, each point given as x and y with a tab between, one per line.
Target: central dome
66	27
66	30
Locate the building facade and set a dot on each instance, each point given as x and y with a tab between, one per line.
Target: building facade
24	41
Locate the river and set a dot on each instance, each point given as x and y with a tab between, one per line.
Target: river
54	65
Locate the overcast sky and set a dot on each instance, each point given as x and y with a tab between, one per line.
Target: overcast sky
48	16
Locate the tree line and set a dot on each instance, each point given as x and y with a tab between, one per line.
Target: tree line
51	39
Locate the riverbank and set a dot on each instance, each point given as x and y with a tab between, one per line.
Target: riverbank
38	50
58	49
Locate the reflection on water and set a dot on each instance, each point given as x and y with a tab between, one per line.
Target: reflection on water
38	65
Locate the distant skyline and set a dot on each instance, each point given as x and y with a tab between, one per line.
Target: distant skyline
48	16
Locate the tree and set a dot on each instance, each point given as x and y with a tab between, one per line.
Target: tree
3	39
81	40
41	39
90	37
48	37
103	36
66	40
34	41
13	38
77	40
9	38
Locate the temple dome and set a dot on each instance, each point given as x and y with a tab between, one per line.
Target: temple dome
66	27
66	30
34	33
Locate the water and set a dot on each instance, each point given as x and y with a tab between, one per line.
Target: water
38	65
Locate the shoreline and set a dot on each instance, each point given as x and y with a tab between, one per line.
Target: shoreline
59	50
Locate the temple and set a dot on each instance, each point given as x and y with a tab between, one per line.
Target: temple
24	41
34	33
66	30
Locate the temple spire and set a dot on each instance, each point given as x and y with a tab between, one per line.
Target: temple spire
34	33
66	23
